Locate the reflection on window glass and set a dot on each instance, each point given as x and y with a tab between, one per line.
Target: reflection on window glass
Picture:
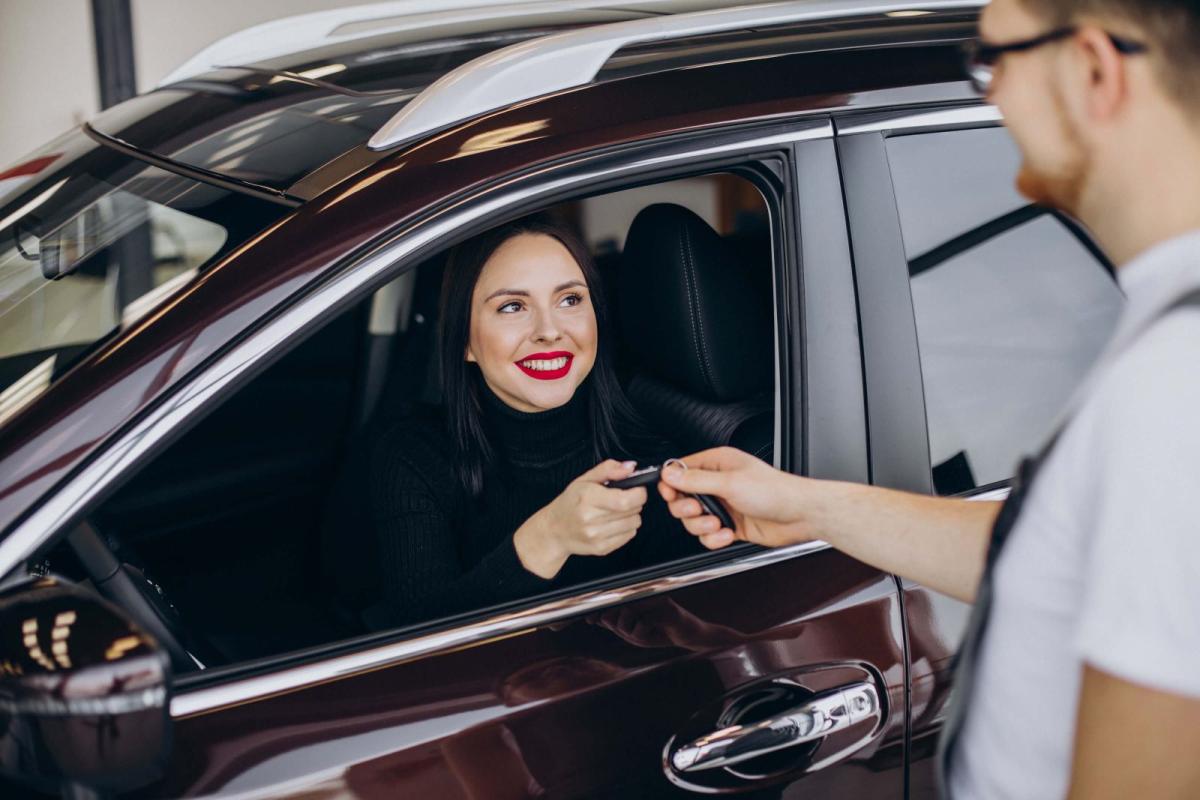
1007	326
82	259
948	183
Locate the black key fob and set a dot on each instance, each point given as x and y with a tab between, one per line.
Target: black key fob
648	475
715	507
642	477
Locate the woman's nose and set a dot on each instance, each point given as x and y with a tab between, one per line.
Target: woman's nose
545	329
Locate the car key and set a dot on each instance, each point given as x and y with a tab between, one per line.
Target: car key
648	475
640	477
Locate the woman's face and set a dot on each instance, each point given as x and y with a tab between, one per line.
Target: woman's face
533	328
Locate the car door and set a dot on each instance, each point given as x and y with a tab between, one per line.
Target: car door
980	314
769	673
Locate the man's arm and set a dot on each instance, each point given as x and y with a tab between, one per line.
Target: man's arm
1132	741
938	542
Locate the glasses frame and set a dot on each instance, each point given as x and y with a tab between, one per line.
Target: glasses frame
980	58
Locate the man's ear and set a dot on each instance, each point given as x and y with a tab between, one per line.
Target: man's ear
1103	73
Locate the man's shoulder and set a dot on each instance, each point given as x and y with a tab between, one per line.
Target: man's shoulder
1145	409
1158	371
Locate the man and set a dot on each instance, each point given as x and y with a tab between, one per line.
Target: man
1087	681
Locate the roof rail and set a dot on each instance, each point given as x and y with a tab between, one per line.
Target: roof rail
567	60
302	32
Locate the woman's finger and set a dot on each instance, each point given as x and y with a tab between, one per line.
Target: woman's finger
622	526
610	470
619	500
615	541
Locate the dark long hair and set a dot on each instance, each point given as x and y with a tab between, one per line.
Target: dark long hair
609	412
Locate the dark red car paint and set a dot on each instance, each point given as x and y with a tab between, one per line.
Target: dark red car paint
572	709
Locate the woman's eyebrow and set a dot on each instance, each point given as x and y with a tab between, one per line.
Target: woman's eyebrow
523	293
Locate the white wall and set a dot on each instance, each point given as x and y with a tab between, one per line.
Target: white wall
168	32
608	216
47	72
48	80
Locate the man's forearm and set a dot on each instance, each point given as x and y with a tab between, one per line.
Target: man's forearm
938	542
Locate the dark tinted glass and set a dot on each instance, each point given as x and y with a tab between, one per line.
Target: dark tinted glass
1011	305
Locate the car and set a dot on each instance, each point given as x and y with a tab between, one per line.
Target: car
211	293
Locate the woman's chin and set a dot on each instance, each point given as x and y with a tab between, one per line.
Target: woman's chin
552	395
552	400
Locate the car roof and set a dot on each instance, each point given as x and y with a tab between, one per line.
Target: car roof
411	20
268	106
272	122
296	124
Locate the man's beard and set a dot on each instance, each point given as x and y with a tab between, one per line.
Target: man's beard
1060	187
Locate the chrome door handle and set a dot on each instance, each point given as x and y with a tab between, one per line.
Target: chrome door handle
815	719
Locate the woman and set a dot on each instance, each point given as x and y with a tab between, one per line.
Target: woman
469	505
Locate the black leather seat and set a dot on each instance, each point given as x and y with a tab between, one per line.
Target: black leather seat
694	314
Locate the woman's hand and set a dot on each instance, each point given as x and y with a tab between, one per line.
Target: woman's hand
587	519
768	507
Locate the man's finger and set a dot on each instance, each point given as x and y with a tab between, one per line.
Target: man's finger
702	526
696	481
717	459
715	541
685	507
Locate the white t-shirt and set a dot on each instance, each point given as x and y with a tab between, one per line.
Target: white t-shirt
1103	566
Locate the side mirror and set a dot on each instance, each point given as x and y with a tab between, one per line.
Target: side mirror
84	694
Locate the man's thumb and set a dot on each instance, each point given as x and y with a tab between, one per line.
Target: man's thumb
695	480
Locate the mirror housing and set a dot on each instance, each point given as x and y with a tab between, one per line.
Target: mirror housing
84	693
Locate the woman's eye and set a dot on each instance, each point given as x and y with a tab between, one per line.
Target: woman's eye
510	308
572	300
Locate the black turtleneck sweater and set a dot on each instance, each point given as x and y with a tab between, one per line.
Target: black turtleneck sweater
443	552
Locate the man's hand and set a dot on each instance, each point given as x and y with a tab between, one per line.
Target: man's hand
767	506
939	542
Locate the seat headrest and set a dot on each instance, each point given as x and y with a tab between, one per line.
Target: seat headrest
693	309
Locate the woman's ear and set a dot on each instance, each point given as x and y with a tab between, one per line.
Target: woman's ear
471	356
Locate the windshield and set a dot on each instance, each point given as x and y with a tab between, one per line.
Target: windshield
89	247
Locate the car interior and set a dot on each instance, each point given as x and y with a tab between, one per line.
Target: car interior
236	534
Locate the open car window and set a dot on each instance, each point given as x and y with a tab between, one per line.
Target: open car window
254	522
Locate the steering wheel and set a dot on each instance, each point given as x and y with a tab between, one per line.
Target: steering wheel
132	590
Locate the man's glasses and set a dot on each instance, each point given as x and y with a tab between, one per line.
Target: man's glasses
981	58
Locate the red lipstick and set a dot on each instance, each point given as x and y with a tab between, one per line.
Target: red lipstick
540	371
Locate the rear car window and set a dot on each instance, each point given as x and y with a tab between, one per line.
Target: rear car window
91	246
1012	306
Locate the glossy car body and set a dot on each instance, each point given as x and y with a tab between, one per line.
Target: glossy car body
541	699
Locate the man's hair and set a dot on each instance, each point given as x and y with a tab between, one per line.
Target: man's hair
1171	29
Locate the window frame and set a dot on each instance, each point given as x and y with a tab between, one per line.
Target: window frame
732	148
898	427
